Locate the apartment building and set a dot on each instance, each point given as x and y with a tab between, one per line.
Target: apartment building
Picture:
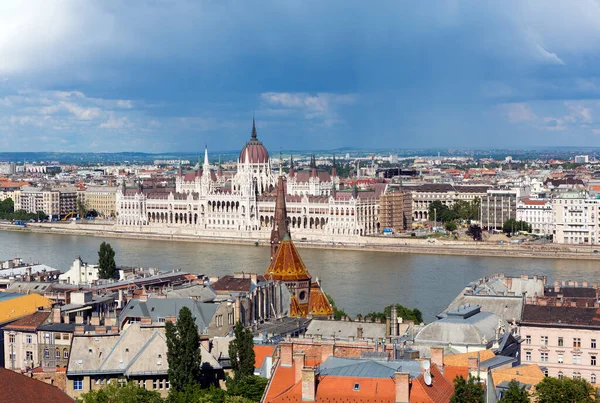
424	195
32	200
576	218
538	213
562	340
499	205
102	199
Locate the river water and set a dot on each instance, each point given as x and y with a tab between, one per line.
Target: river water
359	282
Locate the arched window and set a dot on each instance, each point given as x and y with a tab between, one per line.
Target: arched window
560	375
593	378
57	353
65	353
46	353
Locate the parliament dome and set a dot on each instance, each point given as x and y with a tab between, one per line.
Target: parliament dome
257	152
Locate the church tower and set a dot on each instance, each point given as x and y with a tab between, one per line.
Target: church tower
280	223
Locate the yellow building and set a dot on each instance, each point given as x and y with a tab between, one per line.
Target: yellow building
102	199
15	308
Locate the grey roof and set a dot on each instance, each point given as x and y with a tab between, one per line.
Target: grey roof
23	287
137	350
5	296
156	308
58	327
368	368
198	291
507	307
22	270
344	330
497	361
467	326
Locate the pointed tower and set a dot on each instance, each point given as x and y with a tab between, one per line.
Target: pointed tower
219	169
280	223
179	173
355	191
199	170
334	169
206	165
292	172
313	165
253	134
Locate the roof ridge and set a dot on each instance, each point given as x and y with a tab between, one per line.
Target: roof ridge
141	350
112	350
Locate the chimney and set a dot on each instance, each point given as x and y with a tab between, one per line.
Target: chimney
56	315
95	320
146	320
299	362
79	320
394	321
388	327
308	384
285	350
144	297
401	379
327	350
100	329
472	363
79	330
437	357
237	310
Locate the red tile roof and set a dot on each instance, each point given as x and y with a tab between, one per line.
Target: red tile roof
440	390
29	322
260	353
17	388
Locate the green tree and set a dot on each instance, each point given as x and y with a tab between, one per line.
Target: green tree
470	391
81	207
241	353
183	351
475	232
438	211
107	268
515	394
551	390
251	387
129	393
7	208
450	226
338	314
404	312
512	226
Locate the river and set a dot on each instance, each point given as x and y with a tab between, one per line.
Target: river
359	282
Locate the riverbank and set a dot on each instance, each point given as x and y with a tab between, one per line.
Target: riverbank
373	244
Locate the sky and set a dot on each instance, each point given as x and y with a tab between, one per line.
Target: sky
174	76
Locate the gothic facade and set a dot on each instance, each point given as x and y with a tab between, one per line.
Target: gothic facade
204	201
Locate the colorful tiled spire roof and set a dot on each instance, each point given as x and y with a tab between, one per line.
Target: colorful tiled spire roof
287	265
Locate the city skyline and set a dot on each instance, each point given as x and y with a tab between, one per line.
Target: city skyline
158	77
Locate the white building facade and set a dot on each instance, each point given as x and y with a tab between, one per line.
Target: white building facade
538	213
576	217
205	202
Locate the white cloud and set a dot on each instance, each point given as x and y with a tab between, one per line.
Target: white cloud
519	112
321	106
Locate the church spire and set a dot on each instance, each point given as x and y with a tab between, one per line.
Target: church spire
179	173
292	172
206	163
313	165
334	169
253	128
280	225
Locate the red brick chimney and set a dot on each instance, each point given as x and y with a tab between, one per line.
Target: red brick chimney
401	379
285	351
299	361
437	357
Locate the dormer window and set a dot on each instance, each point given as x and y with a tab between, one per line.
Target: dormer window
356	387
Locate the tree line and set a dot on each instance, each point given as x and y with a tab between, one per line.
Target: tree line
7	212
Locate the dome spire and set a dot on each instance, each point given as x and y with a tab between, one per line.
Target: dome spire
253	128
